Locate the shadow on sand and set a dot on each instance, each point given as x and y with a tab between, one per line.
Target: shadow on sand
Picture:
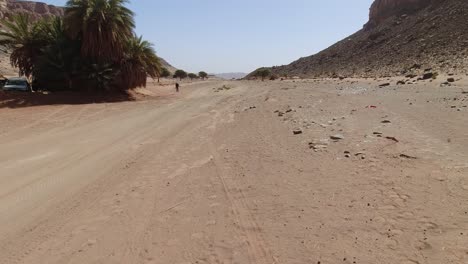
19	100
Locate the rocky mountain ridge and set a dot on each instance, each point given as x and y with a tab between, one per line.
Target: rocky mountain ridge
35	9
402	37
384	9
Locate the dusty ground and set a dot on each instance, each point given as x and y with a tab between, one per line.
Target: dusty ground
217	176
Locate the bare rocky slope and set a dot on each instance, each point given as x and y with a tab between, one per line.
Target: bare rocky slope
35	9
402	37
168	66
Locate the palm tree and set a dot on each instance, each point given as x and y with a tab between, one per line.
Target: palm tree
26	40
60	60
140	61
103	26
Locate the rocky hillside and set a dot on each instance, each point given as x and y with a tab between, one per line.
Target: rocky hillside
402	37
384	9
35	9
168	66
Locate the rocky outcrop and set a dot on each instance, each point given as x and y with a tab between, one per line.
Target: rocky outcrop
35	9
395	43
383	9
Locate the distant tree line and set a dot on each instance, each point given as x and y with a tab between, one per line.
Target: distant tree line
181	74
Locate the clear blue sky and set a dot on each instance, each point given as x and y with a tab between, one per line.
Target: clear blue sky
242	35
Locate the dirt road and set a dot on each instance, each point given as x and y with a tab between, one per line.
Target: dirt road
216	175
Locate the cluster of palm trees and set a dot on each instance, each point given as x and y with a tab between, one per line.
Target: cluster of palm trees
93	46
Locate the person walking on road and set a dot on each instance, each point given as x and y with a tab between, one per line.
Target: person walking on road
177	87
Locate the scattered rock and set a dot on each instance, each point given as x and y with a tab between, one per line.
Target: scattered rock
407	156
451	80
386	122
319	146
337	137
297	132
428	75
401	83
384	84
393	138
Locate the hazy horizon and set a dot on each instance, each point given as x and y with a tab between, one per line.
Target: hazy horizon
224	37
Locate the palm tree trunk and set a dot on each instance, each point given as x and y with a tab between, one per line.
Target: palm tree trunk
69	82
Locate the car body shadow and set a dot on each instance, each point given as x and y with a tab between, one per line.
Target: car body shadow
25	99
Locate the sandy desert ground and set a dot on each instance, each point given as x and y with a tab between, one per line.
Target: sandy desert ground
241	172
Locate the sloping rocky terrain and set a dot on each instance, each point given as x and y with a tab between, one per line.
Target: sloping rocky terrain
168	66
402	37
35	9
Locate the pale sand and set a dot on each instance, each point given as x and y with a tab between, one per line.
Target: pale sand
211	176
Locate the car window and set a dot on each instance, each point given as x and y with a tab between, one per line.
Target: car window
16	82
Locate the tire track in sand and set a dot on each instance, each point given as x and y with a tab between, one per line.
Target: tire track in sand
250	230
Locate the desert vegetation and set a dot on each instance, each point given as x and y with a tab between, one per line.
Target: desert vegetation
92	47
181	74
262	73
203	75
192	76
165	73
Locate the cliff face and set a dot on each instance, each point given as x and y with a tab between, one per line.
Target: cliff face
384	9
35	9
